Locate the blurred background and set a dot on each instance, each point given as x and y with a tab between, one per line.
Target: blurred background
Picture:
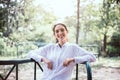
92	24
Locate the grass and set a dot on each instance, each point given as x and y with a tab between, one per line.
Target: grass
107	62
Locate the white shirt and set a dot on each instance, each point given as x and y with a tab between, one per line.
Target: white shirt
57	55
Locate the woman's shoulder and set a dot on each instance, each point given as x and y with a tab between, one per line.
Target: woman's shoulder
73	45
49	45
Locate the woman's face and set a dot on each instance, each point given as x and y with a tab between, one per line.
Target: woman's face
60	33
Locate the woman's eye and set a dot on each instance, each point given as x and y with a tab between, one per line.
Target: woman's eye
62	30
56	31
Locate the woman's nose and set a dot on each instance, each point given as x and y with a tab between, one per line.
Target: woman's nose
60	32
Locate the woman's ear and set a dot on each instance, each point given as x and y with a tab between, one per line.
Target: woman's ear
53	34
67	31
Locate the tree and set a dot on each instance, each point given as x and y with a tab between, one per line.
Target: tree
9	10
89	17
108	23
117	1
78	26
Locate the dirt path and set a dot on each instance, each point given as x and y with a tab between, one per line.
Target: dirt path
106	73
103	73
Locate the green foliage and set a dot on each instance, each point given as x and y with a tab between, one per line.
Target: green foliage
37	37
23	17
115	39
109	22
114	45
113	51
89	18
32	23
9	48
2	20
6	48
1	46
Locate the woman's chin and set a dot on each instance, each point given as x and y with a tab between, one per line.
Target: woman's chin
62	40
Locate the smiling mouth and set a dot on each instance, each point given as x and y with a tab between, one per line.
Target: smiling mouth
61	37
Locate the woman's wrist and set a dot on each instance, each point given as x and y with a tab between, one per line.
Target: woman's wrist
72	59
44	59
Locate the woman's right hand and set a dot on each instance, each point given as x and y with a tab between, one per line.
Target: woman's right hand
48	62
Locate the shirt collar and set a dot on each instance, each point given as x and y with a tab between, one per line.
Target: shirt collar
65	44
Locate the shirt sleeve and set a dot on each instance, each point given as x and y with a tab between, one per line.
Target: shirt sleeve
82	55
37	54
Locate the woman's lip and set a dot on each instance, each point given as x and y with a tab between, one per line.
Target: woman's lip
61	36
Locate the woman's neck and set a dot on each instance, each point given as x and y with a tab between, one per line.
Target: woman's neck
61	43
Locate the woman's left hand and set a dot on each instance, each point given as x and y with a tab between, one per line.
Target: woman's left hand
68	61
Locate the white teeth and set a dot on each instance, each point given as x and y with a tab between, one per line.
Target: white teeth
61	37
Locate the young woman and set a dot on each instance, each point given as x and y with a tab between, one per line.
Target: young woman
61	57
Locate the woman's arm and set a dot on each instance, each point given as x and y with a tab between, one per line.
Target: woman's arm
82	55
39	55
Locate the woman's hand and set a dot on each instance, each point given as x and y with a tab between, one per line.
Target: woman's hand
48	62
68	61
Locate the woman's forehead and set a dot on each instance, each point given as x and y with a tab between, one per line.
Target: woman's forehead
59	27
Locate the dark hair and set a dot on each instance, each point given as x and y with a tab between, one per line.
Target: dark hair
59	24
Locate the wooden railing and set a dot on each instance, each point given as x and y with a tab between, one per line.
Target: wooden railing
15	64
88	69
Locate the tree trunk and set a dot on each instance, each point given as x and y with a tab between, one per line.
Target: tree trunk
77	29
104	43
104	52
7	31
77	33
